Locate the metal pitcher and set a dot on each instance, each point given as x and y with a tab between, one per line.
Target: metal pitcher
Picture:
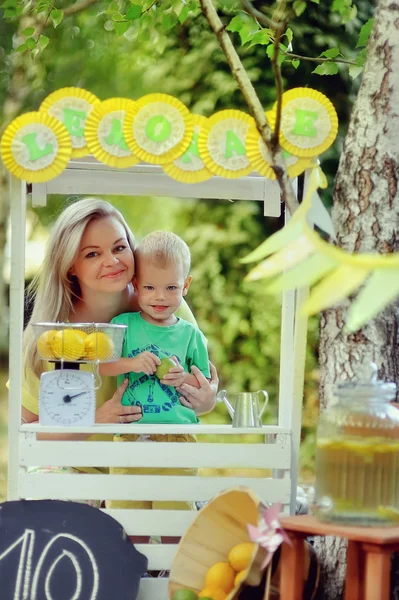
246	411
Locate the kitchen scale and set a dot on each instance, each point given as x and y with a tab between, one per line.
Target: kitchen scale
67	395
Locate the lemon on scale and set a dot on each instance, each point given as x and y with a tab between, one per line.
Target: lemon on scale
67	395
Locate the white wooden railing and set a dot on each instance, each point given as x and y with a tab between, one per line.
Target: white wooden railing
273	453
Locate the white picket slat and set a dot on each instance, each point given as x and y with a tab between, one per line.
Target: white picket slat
160	556
144	454
153	522
153	588
143	487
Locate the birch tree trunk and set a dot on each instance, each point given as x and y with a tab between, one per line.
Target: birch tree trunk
365	216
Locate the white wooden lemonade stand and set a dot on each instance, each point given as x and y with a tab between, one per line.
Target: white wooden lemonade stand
278	452
281	442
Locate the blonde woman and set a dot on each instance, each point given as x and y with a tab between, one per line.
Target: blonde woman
86	276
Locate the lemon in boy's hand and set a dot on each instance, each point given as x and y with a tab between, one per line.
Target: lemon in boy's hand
184	594
165	366
220	576
98	346
212	594
67	344
44	343
240	556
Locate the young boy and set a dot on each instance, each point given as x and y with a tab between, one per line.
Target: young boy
155	335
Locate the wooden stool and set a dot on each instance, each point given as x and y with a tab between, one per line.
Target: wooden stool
368	557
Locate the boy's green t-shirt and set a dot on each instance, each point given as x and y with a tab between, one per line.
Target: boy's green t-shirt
160	403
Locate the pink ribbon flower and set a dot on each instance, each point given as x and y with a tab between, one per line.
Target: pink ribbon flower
269	534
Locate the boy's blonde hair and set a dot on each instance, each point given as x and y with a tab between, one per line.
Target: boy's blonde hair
54	289
164	248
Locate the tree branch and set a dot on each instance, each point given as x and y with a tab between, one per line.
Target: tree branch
254	104
259	16
318	59
78	6
277	75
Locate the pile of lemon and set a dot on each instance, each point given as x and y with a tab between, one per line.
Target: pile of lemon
75	344
222	577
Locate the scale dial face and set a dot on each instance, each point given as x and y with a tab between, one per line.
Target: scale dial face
67	397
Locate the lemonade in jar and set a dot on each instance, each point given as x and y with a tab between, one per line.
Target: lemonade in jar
357	455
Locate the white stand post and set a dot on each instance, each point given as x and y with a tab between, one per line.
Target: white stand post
17	281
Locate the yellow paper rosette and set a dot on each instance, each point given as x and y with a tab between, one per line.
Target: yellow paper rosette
260	157
72	106
36	147
222	143
309	123
159	129
104	133
189	167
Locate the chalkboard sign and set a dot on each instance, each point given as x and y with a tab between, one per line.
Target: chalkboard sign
54	550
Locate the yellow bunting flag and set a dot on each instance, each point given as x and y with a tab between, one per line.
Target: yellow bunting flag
36	147
298	256
222	143
309	123
285	258
72	106
336	286
189	167
261	159
104	133
159	129
381	288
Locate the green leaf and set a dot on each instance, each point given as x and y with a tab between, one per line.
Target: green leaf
244	25
121	27
43	42
331	53
365	33
299	7
295	63
184	14
112	8
9	4
169	20
21	47
9	13
354	71
327	68
133	13
56	16
34	53
289	34
28	31
43	6
261	37
117	16
30	43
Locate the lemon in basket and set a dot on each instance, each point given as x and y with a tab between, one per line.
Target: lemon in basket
67	344
82	334
220	576
98	346
44	343
240	556
240	577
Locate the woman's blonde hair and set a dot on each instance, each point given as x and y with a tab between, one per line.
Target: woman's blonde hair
53	290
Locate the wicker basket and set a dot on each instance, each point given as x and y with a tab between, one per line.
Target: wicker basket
218	527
